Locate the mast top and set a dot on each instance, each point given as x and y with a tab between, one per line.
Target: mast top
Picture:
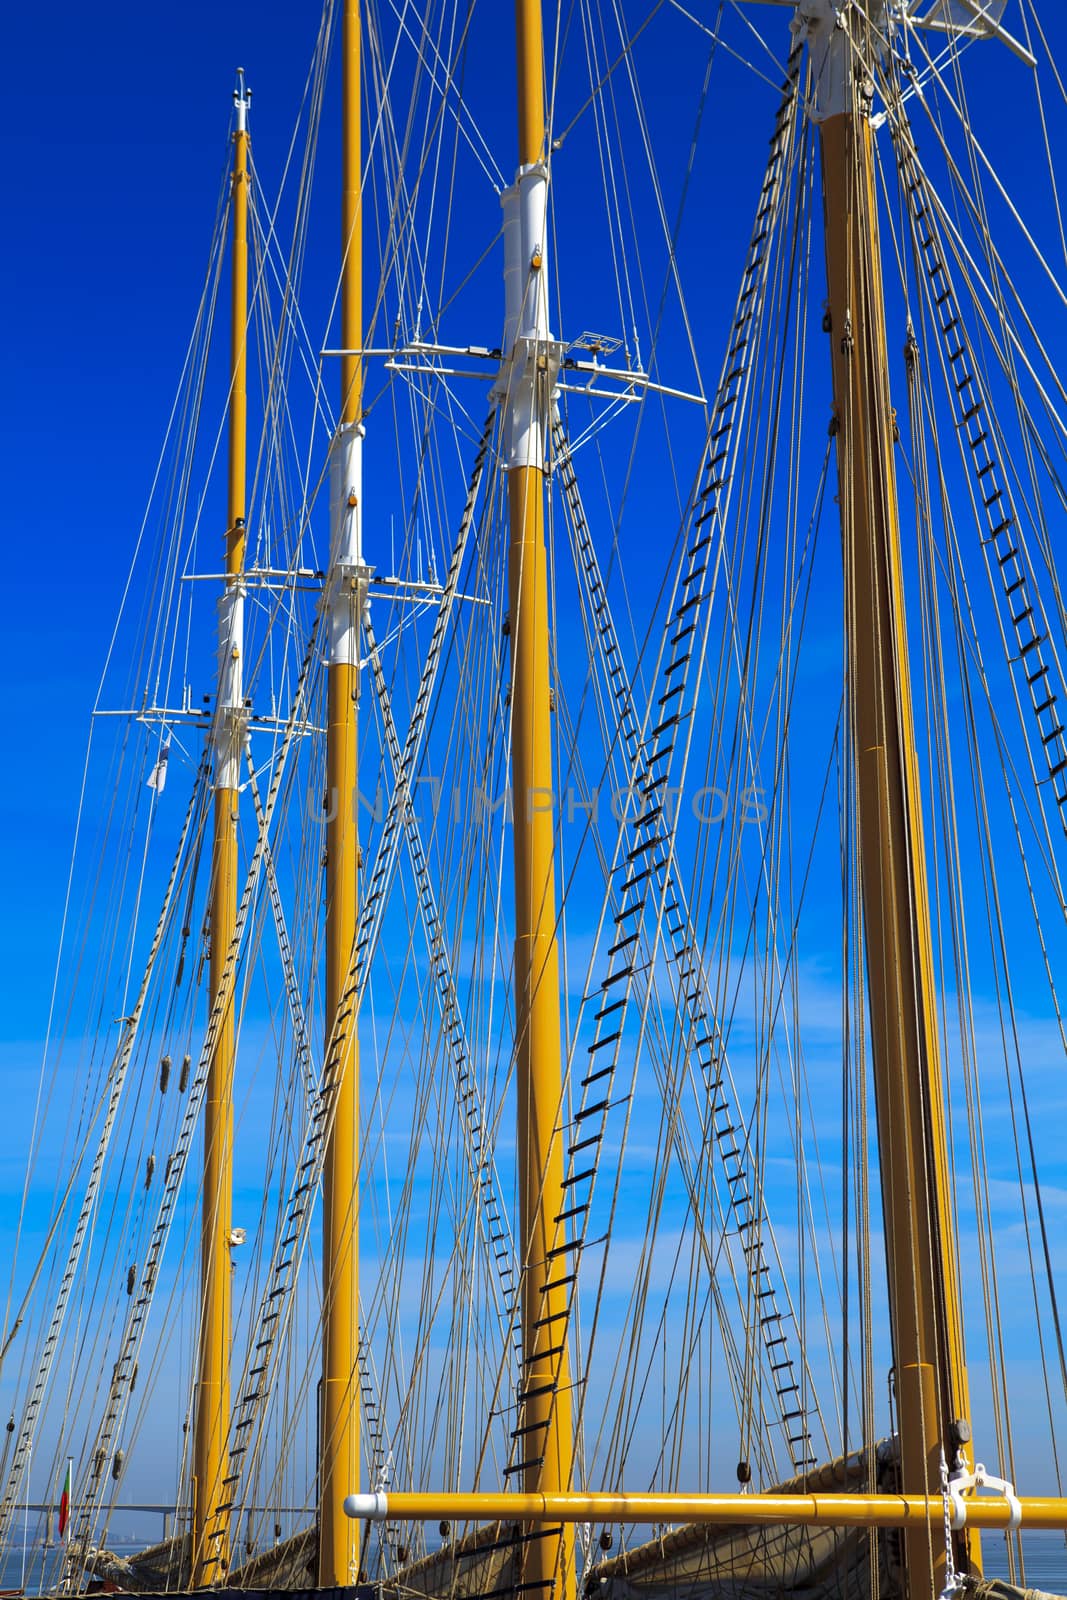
242	99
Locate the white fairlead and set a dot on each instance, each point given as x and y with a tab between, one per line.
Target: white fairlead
372	1507
531	357
980	1479
347	573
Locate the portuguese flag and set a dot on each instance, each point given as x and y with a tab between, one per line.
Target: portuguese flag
64	1499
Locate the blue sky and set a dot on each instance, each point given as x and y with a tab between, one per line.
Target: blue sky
115	138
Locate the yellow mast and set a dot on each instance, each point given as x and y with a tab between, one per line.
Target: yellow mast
211	1549
930	1372
339	1462
545	1436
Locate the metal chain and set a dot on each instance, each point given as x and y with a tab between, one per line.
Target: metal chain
953	1582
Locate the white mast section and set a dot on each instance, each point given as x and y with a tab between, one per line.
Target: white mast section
531	357
348	574
229	716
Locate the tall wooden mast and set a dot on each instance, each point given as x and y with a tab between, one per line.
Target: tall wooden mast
545	1434
339	1447
211	1525
930	1371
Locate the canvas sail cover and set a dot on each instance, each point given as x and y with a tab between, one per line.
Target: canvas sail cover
742	1562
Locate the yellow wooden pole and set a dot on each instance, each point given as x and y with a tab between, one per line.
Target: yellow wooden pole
931	1376
530	76
545	1439
735	1510
339	1466
545	1410
351	217
212	1421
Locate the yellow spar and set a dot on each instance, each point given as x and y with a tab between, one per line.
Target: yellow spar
913	1511
544	1439
930	1372
339	1456
210	1516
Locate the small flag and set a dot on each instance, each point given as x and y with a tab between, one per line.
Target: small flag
158	776
64	1499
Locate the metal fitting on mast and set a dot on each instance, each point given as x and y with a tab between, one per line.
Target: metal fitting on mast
840	82
823	25
242	100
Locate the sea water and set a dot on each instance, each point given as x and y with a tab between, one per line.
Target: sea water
1045	1555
